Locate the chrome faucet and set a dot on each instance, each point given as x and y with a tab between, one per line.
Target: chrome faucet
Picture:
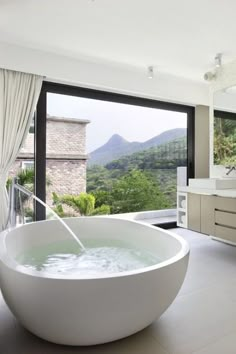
230	168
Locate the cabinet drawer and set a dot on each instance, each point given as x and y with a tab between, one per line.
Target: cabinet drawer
225	219
227	204
225	233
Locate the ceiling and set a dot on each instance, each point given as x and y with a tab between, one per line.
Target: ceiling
179	37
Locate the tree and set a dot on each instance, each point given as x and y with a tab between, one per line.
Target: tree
101	197
137	191
224	141
25	178
104	209
84	204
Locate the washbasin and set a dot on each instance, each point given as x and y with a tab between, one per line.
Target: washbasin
213	183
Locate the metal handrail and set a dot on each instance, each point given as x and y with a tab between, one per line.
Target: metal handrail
12	203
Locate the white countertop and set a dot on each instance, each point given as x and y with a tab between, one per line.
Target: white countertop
231	193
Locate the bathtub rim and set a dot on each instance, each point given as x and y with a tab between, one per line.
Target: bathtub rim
11	263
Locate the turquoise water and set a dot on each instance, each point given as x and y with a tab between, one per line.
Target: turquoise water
65	258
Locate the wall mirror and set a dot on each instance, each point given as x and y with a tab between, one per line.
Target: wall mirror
224	132
225	127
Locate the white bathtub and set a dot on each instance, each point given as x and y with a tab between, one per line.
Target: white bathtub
75	310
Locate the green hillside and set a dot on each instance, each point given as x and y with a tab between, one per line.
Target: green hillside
166	156
159	164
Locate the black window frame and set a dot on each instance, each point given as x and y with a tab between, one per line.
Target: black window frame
41	119
224	114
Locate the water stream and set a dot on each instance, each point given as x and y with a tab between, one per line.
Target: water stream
31	195
61	221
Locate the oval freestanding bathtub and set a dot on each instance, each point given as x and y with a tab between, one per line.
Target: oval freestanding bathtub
78	310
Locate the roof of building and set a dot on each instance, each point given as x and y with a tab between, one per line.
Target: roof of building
68	120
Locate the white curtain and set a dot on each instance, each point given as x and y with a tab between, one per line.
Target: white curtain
19	93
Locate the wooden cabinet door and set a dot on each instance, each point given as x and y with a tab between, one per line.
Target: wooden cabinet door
207	214
194	212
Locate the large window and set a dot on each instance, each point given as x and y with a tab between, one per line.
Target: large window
109	153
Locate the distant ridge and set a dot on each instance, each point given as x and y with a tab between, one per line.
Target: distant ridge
117	146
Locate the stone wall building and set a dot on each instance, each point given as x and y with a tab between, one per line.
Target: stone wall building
66	156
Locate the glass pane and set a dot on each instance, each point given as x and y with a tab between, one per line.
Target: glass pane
23	169
65	154
225	140
124	157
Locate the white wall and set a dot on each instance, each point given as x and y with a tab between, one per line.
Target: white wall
225	100
202	144
104	76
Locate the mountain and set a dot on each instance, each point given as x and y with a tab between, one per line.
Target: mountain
117	146
165	156
165	137
158	162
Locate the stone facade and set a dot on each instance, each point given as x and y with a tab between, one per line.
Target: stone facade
66	137
66	156
66	176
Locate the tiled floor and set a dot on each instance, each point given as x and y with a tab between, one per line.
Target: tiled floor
202	319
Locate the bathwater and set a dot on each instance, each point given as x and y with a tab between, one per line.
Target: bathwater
64	258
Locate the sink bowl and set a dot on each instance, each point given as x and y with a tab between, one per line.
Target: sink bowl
213	183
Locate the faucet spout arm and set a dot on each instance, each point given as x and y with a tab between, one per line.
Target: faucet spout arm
230	168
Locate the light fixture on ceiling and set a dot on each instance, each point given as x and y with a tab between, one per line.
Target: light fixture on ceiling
212	75
218	60
150	72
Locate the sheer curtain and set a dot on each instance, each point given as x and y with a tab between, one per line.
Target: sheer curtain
19	93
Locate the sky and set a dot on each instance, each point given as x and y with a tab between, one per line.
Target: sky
133	123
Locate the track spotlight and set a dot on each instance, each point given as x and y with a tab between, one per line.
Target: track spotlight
212	75
150	72
218	60
209	76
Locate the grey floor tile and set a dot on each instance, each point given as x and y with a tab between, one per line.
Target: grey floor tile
225	345
195	320
201	320
16	340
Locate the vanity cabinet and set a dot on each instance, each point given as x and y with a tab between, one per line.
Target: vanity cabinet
225	219
182	207
201	213
208	214
194	212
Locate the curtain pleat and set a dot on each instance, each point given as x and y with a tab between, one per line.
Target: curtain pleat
19	93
